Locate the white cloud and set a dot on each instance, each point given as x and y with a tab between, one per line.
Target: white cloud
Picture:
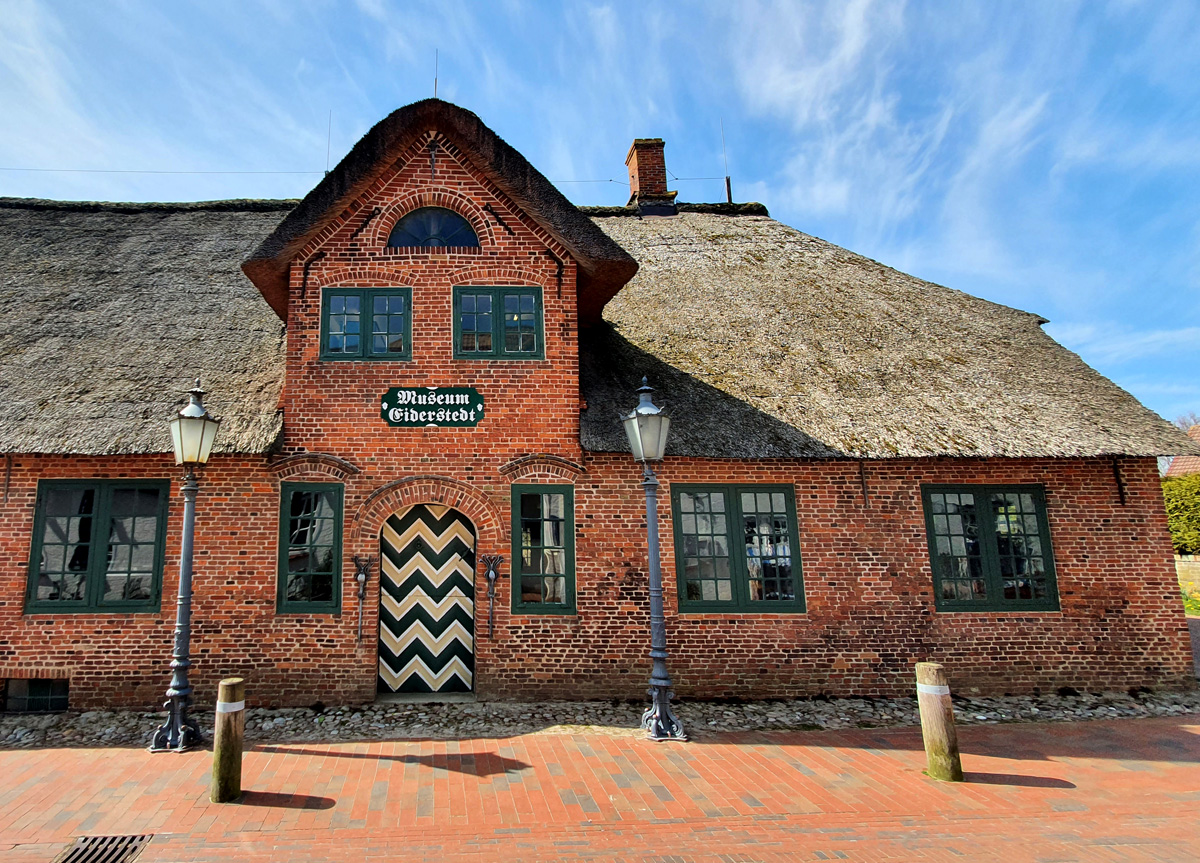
1107	343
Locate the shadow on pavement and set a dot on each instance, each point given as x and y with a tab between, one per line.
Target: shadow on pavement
1164	738
1016	779
279	800
473	763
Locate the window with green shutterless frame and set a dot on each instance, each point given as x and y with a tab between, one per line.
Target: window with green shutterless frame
543	549
310	547
98	545
736	548
989	548
498	323
366	323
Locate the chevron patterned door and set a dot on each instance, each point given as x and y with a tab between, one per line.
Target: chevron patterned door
427	601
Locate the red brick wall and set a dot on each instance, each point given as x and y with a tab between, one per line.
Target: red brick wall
866	569
866	577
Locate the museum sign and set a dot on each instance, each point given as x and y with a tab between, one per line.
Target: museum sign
439	407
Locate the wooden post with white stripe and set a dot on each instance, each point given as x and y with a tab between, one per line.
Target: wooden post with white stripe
229	727
937	723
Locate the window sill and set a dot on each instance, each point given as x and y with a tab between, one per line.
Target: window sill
999	610
57	612
721	612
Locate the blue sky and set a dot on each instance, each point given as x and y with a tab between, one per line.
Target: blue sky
1044	155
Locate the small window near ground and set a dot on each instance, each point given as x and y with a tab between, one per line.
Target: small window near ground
35	696
543	553
433	227
310	547
989	547
366	324
735	548
498	323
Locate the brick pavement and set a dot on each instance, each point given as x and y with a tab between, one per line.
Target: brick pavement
1110	792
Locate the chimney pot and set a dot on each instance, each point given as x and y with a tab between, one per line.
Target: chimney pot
648	178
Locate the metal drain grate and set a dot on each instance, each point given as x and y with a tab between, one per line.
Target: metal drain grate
105	849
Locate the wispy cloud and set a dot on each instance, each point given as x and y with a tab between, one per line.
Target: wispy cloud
1112	344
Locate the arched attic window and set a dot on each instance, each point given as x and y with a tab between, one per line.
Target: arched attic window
433	226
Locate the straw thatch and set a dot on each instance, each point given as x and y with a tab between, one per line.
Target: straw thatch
111	309
769	342
604	265
765	341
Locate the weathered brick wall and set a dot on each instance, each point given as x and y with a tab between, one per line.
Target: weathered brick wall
866	577
868	585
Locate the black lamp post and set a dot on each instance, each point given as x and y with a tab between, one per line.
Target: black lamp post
192	433
647	426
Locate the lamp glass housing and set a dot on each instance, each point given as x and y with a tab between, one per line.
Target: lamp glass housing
647	427
194	430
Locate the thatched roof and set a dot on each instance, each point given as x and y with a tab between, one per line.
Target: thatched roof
769	342
604	265
764	341
111	310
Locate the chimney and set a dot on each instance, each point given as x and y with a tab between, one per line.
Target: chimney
648	178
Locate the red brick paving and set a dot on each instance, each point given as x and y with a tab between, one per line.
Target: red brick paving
1110	792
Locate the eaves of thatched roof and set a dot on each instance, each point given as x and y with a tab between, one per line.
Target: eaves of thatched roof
111	310
604	266
768	342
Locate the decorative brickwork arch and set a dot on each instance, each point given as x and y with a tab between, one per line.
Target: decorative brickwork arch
541	466
448	199
403	493
362	276
502	275
321	463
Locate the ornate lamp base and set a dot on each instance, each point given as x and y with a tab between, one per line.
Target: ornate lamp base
659	721
180	732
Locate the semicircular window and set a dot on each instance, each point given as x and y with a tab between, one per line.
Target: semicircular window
433	226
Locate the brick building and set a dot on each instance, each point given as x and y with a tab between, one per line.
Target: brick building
423	361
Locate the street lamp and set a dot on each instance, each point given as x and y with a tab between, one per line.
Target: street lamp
647	426
192	432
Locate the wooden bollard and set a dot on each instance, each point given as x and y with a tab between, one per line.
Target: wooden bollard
229	727
937	723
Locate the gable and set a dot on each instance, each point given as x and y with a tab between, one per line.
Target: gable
604	266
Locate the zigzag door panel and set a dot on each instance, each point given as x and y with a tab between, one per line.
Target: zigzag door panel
427	601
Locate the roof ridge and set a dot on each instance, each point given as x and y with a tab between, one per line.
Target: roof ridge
717	208
261	205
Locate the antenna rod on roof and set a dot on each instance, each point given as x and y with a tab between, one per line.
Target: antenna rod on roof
728	187
328	136
435	71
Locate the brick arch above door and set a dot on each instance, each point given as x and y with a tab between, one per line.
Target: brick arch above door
403	493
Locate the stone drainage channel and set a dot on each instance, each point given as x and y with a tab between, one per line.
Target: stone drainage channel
508	719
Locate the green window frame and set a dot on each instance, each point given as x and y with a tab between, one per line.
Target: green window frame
310	548
65	572
737	548
498	323
1001	563
366	324
543	549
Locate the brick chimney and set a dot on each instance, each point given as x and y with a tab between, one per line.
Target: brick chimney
648	178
